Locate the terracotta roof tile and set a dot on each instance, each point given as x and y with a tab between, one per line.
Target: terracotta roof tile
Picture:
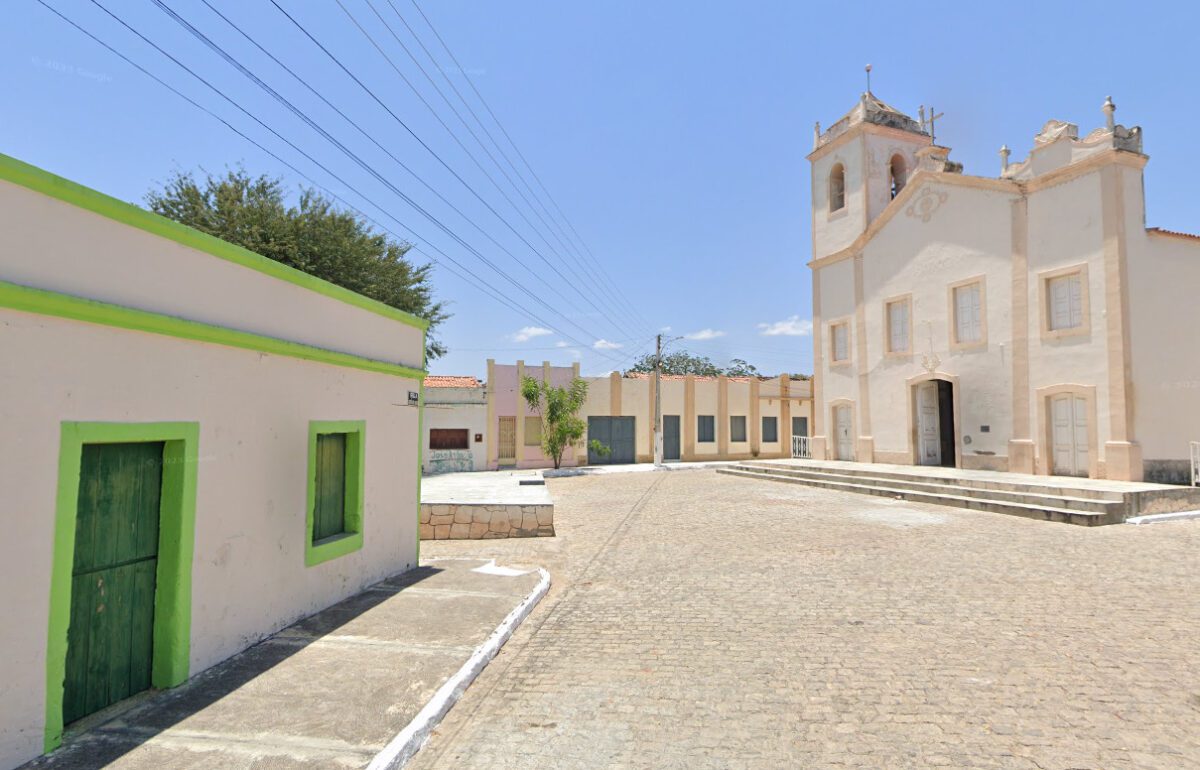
451	381
699	378
1165	231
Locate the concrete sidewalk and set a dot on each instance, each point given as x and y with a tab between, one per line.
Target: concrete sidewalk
360	681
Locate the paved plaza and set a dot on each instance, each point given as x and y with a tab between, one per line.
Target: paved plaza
707	621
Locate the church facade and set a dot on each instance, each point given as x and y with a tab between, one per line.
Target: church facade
1029	322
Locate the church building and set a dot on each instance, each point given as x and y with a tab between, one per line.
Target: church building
1028	322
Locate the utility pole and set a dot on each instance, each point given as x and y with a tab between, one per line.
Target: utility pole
658	437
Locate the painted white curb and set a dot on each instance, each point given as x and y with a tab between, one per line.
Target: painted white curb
1160	517
410	740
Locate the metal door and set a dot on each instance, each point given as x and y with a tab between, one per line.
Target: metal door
616	433
670	437
508	440
110	638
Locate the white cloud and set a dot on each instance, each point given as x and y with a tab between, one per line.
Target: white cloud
606	345
562	344
526	333
795	326
704	334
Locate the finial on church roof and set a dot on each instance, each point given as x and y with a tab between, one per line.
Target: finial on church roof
1109	109
1004	153
921	115
868	78
816	134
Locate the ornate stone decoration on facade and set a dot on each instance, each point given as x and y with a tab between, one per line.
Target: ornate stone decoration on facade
927	202
1055	130
930	361
870	109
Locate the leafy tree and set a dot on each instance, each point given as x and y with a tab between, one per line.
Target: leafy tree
683	362
679	362
738	367
559	409
313	235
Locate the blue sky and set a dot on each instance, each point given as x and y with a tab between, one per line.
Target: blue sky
672	134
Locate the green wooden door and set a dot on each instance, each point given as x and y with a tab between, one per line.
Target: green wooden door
111	636
329	514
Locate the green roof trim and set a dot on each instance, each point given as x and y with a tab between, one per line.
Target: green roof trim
51	303
31	177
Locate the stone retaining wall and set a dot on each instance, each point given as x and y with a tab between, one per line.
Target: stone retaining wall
482	521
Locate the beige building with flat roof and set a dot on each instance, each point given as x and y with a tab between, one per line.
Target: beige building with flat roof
704	418
1026	322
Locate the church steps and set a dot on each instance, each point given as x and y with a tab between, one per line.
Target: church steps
1046	508
1024	495
1060	488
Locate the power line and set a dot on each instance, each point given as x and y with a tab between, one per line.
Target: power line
462	146
427	147
228	125
287	104
387	183
512	143
556	229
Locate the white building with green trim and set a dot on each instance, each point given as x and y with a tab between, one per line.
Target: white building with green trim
200	446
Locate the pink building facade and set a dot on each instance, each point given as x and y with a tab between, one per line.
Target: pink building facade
514	430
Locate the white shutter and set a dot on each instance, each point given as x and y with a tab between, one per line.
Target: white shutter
840	346
898	327
967	317
1066	302
1075	316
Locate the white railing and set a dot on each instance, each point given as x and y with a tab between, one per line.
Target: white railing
802	447
1196	463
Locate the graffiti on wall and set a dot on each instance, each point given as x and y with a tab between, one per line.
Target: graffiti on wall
450	461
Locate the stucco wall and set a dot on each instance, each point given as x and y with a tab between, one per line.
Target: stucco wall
880	149
49	244
835	230
456	408
505	391
1066	229
249	575
968	235
1163	276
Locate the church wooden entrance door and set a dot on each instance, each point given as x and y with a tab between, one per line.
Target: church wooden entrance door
1069	413
845	441
929	433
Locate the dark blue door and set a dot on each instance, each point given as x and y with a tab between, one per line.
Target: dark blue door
670	437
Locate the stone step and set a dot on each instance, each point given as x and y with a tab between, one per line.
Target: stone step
1061	487
1022	494
975	503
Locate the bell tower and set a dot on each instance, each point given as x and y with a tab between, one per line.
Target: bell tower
859	164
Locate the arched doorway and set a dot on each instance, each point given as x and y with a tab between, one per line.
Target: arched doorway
1069	443
933	420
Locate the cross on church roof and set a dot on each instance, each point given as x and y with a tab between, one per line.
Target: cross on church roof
932	117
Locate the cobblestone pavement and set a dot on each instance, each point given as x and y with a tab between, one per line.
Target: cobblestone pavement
706	621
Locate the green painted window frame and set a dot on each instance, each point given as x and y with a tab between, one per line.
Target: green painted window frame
706	429
770	436
177	527
351	539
